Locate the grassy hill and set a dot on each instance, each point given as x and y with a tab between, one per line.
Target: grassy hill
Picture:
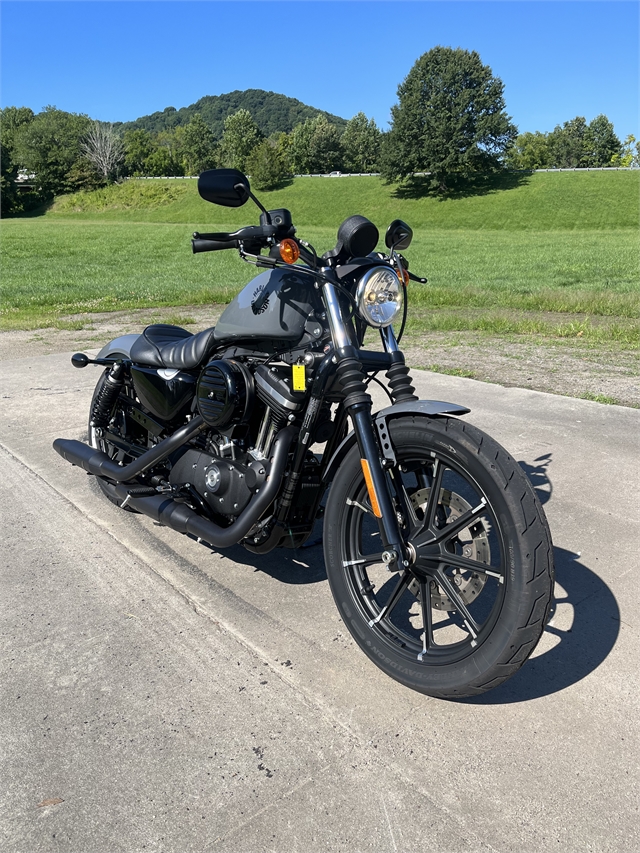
271	112
554	255
541	201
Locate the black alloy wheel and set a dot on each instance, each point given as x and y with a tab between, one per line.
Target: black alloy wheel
472	604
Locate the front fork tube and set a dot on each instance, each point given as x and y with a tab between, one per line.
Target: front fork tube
358	404
396	552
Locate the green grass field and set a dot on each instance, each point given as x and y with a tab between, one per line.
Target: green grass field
557	254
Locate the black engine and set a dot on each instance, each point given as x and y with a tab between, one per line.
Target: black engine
226	485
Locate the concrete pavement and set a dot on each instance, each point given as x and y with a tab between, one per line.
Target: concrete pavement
176	698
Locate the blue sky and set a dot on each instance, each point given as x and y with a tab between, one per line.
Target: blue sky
119	60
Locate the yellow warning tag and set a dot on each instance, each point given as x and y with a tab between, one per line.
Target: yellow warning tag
299	380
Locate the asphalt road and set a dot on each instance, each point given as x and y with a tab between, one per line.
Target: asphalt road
158	695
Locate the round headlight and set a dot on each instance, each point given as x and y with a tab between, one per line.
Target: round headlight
379	296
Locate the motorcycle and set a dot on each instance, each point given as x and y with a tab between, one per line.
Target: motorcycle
437	550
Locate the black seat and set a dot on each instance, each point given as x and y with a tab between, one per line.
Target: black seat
166	346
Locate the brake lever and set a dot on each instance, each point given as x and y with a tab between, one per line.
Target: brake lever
416	278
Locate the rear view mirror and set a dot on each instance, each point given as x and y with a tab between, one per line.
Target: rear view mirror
398	235
227	187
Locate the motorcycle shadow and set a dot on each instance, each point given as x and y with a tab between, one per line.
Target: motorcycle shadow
582	629
287	565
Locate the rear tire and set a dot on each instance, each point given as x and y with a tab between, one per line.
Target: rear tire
473	604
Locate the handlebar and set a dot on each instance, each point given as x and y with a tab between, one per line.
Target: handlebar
225	240
199	244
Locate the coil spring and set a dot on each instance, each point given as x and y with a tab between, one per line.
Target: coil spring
105	401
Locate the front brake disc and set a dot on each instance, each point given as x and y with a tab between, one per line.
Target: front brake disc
472	542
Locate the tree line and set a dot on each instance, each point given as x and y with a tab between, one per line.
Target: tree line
450	122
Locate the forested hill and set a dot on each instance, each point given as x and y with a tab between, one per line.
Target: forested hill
270	111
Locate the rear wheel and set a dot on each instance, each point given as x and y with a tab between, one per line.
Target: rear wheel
473	603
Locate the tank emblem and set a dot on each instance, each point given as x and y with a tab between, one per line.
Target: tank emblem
259	303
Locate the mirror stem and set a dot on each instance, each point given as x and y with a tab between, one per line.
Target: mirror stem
251	195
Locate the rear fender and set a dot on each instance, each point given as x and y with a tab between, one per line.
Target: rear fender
422	408
119	346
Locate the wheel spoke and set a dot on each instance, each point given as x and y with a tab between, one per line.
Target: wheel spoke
454	527
396	595
461	607
434	496
404	500
361	507
467	565
427	622
364	560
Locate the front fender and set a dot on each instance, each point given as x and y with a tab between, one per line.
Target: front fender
424	408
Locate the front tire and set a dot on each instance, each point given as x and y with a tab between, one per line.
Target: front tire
471	607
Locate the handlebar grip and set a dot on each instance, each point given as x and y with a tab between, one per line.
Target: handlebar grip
201	245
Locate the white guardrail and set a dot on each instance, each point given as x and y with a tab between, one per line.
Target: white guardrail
377	174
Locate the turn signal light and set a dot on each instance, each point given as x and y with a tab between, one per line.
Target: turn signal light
289	251
403	275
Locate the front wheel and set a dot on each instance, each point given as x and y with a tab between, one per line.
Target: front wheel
471	606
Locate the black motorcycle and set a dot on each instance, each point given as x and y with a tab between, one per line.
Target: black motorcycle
437	550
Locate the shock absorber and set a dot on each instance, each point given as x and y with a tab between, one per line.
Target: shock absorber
105	401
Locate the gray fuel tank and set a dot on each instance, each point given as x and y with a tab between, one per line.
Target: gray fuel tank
276	305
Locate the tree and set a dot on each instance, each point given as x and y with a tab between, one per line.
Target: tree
629	154
567	144
282	141
529	151
11	119
601	142
103	148
325	150
49	145
450	119
267	166
300	147
138	146
240	137
198	146
315	146
162	163
361	144
83	175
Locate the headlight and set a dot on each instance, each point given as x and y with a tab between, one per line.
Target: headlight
379	296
